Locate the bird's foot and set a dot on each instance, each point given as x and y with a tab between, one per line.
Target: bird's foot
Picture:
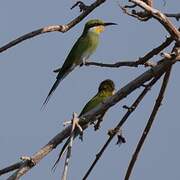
113	132
97	125
84	62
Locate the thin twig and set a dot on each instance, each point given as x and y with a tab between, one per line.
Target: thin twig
115	65
140	16
68	155
75	120
140	61
82	6
173	15
149	124
11	168
54	28
155	51
122	121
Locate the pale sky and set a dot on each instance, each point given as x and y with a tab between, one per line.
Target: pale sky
26	76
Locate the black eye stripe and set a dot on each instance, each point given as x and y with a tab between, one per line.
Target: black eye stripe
95	24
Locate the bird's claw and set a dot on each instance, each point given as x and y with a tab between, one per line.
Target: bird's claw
97	126
120	137
84	62
81	136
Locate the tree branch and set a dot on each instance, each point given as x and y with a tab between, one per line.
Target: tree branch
149	124
54	28
149	2
155	51
173	15
11	168
140	61
119	125
161	18
115	65
75	121
88	118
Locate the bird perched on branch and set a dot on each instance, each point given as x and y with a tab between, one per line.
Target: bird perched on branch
106	89
80	52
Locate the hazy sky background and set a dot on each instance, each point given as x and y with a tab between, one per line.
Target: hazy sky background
26	76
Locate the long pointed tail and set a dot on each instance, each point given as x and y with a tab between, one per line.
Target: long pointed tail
63	150
55	85
61	75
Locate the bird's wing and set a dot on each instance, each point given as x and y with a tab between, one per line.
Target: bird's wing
97	99
68	66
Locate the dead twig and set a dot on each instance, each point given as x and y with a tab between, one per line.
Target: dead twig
82	6
115	65
75	121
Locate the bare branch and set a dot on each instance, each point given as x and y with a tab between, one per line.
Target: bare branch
155	51
161	18
141	61
142	16
115	65
119	125
149	124
11	168
88	118
75	121
82	6
54	28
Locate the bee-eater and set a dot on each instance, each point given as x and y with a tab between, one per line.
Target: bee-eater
105	90
80	52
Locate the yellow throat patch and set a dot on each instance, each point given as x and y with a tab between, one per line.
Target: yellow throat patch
99	29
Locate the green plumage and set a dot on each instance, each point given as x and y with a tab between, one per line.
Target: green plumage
105	90
83	48
96	100
80	52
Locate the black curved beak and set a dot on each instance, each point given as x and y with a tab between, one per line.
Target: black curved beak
109	24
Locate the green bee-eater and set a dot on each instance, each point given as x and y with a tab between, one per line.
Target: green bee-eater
81	51
105	90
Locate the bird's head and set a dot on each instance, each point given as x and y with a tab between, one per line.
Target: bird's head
107	85
96	25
